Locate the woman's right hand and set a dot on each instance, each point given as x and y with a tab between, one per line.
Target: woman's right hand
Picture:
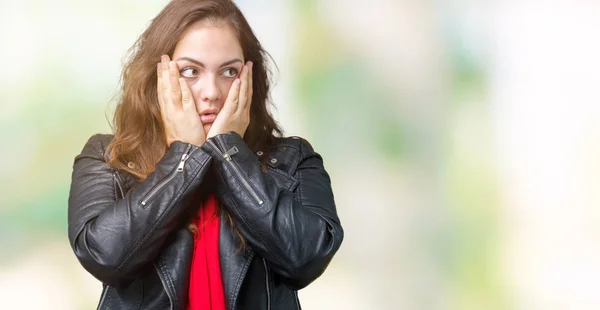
181	120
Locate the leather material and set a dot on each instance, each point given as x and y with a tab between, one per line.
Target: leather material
132	235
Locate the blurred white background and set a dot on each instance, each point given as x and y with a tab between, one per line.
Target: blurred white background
462	138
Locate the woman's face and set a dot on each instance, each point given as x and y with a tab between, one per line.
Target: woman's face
210	58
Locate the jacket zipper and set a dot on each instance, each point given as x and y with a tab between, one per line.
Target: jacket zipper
236	169
104	293
164	284
267	285
168	179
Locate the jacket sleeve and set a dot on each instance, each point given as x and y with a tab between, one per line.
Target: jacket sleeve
297	232
114	238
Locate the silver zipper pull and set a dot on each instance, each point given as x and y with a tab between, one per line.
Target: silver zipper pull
231	151
182	162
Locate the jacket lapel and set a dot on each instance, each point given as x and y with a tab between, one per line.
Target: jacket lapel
234	262
174	265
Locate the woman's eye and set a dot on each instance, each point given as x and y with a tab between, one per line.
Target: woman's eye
188	72
231	72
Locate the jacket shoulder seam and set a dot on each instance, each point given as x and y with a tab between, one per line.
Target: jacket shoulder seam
96	144
300	144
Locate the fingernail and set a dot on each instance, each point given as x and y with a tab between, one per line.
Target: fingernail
171	65
164	58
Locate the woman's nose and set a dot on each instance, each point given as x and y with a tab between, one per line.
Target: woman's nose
209	90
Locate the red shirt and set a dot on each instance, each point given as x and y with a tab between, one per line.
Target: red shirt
206	284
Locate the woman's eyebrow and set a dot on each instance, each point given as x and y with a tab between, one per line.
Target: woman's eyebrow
202	65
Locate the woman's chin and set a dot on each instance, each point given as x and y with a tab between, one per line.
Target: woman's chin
207	127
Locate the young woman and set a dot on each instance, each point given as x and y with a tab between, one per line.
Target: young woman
196	201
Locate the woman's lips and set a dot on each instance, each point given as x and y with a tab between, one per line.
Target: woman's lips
208	118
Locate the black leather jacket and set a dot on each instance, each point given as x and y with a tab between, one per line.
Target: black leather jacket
132	235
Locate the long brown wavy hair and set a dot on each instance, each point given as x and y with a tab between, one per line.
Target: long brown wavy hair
139	139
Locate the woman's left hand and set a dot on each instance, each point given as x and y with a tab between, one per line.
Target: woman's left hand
235	114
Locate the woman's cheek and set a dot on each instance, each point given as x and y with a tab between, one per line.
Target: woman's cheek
225	87
194	88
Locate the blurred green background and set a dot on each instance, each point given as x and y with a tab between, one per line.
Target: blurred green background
462	138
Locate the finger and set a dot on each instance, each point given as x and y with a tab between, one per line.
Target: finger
165	84
250	89
187	101
233	97
159	87
174	81
243	93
